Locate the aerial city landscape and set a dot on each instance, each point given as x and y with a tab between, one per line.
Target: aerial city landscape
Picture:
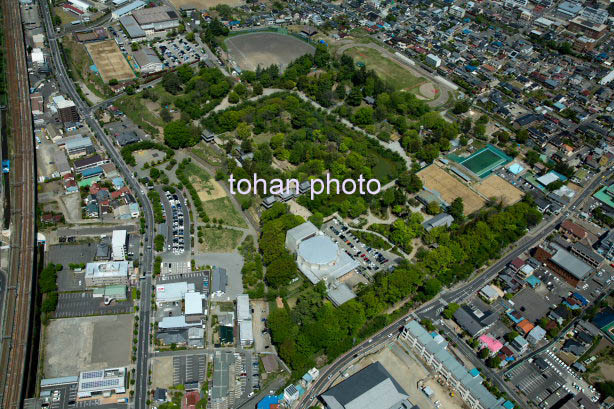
267	204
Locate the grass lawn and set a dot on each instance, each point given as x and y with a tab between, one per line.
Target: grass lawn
222	209
220	240
206	152
79	63
388	70
193	169
64	15
135	109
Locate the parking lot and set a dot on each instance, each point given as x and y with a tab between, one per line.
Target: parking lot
84	304
189	369
534	383
179	51
371	260
573	382
178	226
175	268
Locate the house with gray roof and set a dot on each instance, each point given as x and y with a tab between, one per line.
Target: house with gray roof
474	321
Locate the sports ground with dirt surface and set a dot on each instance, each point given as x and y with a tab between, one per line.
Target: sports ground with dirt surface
495	186
110	61
265	49
449	187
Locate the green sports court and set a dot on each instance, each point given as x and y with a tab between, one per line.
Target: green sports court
485	161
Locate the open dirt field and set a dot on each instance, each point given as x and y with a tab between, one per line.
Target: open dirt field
435	178
206	4
495	186
95	343
110	61
211	190
162	374
265	49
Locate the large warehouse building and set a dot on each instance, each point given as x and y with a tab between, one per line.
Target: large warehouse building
155	21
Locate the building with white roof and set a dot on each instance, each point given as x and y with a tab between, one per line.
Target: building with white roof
548	178
107	273
118	244
80	4
246	333
37	56
243	308
244	318
172	292
319	258
193	304
102	382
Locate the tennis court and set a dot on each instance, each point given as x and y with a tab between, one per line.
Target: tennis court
486	160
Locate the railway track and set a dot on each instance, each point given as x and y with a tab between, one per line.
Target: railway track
16	323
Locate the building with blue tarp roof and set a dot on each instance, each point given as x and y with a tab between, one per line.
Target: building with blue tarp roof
533	281
267	401
91	172
580	298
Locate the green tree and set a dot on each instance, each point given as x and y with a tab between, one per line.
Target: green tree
460	107
450	309
159	242
457	209
177	134
433	208
363	116
484	353
257	88
165	115
354	98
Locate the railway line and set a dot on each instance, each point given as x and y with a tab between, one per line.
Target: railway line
16	320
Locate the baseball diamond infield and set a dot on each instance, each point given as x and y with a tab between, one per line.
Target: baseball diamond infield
265	49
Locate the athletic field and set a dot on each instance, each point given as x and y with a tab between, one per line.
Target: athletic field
485	161
265	49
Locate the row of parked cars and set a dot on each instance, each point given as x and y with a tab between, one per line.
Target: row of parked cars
178	52
178	245
371	259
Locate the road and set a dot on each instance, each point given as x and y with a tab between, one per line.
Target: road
431	309
18	311
67	86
